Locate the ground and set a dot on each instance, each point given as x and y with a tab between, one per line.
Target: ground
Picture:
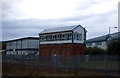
12	70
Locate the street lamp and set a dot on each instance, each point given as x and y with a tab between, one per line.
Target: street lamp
111	27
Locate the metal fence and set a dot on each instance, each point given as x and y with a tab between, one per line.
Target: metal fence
107	64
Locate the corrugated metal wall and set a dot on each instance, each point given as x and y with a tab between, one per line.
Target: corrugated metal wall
19	44
8	45
25	44
13	45
33	43
21	47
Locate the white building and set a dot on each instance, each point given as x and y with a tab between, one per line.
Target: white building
63	35
68	40
102	41
22	46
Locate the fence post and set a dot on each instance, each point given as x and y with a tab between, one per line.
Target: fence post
106	64
78	62
55	61
118	62
10	59
21	59
87	58
38	60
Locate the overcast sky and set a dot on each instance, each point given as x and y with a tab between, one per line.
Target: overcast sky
23	18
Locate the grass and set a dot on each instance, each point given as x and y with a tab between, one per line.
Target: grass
13	70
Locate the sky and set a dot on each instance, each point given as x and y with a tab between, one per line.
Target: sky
24	18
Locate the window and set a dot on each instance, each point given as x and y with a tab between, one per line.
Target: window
60	36
47	38
53	37
50	38
77	36
56	37
89	44
69	36
63	36
41	38
98	43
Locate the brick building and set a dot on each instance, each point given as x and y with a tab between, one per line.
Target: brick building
63	41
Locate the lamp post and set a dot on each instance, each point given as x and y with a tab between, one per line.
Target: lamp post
109	29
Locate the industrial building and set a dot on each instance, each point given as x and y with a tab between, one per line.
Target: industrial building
23	46
63	41
102	41
2	47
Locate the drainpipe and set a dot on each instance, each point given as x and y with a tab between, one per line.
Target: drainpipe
84	37
39	45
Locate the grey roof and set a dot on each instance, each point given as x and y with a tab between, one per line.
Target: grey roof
59	29
35	38
103	38
115	35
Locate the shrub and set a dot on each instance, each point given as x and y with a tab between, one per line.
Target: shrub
113	47
93	51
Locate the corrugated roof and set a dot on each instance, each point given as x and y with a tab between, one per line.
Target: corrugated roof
103	38
59	29
23	39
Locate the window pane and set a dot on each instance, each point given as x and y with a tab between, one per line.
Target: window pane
63	36
60	36
77	36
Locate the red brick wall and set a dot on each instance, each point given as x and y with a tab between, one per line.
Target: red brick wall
62	49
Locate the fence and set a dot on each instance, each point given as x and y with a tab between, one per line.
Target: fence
108	64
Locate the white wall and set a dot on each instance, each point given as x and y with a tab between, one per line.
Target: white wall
102	46
53	42
79	30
